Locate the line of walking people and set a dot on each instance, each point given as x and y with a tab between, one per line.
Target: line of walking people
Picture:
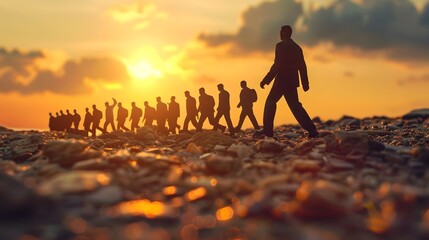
163	114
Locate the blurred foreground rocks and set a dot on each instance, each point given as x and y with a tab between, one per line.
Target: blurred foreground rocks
361	179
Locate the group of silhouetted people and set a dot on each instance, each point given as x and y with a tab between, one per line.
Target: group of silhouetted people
288	67
163	114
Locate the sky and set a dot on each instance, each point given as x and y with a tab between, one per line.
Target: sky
364	57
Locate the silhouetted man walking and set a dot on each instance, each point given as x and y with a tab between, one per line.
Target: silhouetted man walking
289	59
223	110
51	122
206	108
136	114
173	115
69	120
87	120
191	112
122	117
161	115
97	115
109	115
76	119
247	98
149	114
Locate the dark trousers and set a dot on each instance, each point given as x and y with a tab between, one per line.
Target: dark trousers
121	124
192	119
291	96
219	115
203	117
172	124
95	126
161	125
107	123
134	123
247	112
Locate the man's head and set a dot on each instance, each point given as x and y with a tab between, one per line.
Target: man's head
133	104
106	104
220	87
285	32
202	91
158	99
74	110
243	84
173	98
57	114
119	104
187	94
50	114
94	107
68	111
146	103
61	111
86	109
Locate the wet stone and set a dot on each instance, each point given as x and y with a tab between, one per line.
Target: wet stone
222	163
74	182
304	147
348	143
242	150
268	146
67	152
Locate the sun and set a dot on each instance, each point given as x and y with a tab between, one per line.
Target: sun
143	70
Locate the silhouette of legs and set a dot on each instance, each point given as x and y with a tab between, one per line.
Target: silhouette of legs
203	118
107	123
121	124
134	124
291	96
95	126
188	119
247	113
227	116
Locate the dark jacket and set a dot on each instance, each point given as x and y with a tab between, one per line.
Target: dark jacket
288	61
191	106
223	101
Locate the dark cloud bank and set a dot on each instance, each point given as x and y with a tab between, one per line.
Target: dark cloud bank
71	79
394	27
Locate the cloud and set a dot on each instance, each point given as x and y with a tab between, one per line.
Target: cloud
260	27
136	13
19	61
414	80
392	27
74	77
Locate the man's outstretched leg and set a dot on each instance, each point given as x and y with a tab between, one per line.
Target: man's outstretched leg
299	112
270	111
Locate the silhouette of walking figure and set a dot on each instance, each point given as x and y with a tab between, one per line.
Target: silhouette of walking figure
122	117
191	112
247	98
223	110
76	119
69	120
52	121
289	59
87	120
109	115
136	114
206	108
173	115
97	115
161	115
59	122
149	114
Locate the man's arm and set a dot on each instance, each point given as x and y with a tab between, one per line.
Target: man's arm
273	70
302	67
114	102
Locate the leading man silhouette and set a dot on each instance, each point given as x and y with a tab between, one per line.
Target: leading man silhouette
288	61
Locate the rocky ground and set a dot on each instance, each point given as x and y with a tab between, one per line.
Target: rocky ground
362	179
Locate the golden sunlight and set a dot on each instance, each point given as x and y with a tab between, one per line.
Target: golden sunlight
143	70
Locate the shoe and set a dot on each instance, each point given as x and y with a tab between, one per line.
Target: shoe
313	134
222	128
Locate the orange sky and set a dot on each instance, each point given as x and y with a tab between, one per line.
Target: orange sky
70	55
